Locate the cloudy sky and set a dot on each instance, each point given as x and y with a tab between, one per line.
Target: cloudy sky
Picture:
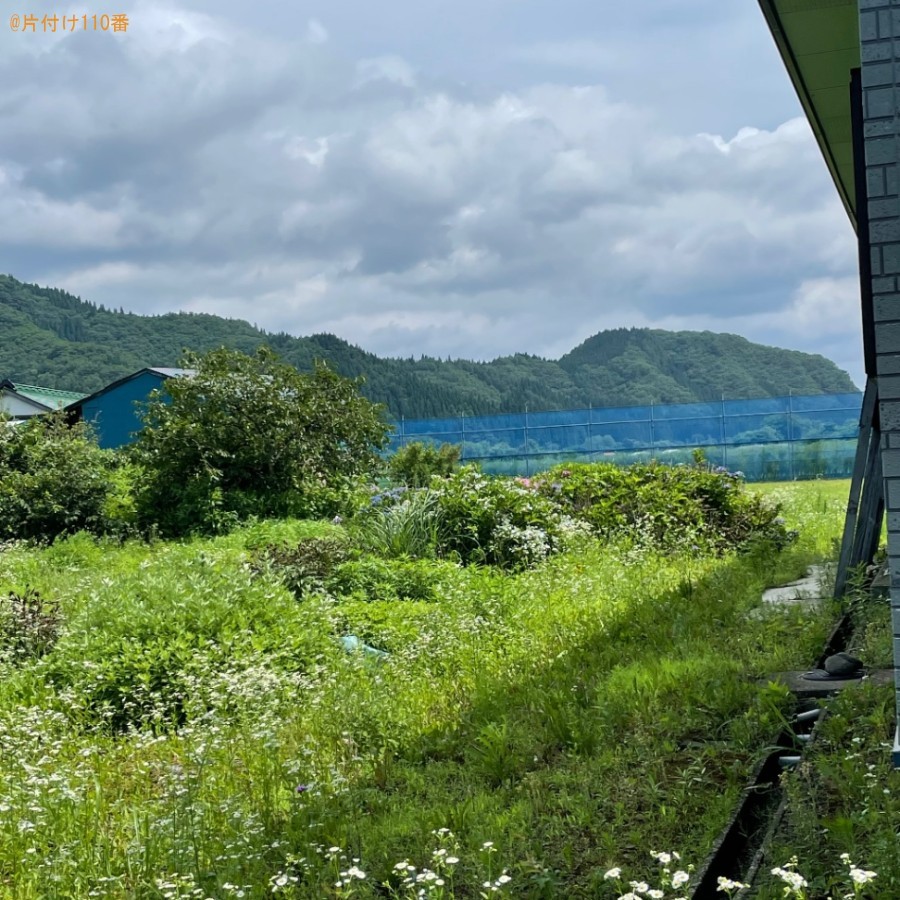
467	179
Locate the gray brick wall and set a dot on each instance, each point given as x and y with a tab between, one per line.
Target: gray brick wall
879	28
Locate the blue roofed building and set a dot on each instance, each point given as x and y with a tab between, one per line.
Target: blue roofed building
114	411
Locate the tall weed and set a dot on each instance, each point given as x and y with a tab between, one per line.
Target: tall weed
412	527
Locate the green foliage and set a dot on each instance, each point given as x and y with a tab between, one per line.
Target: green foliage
120	507
499	521
373	579
54	479
336	567
415	464
844	800
58	340
29	625
250	436
666	507
401	524
162	633
249	752
305	567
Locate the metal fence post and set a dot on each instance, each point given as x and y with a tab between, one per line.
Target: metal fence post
591	431
790	424
527	458
724	436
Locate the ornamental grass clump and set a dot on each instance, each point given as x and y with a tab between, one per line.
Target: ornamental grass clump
401	524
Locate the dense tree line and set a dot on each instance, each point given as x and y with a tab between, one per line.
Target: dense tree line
56	340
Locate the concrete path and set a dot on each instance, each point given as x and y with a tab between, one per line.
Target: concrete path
810	590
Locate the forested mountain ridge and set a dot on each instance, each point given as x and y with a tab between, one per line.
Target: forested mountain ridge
54	339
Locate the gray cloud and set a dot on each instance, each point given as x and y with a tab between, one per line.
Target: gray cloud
334	174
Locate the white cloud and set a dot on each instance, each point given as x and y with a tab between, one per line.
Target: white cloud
386	68
88	281
159	30
823	307
206	166
27	218
316	33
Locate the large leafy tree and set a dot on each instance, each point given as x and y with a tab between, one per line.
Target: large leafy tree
250	435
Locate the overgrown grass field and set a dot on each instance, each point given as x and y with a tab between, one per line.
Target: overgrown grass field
177	721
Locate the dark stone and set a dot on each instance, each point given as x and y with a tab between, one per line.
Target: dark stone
843	664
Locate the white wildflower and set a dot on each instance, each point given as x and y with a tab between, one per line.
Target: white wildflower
861	876
794	880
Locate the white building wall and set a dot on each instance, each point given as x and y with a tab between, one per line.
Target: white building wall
18	406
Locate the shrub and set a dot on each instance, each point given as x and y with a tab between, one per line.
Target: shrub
668	507
305	567
251	436
372	579
119	506
333	566
499	521
417	463
54	479
29	624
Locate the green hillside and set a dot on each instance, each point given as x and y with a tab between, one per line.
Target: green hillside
57	340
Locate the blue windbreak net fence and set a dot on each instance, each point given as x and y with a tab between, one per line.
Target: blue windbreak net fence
769	439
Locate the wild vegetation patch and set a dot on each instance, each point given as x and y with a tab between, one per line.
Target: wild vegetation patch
416	463
669	507
54	480
199	726
839	826
469	687
250	436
